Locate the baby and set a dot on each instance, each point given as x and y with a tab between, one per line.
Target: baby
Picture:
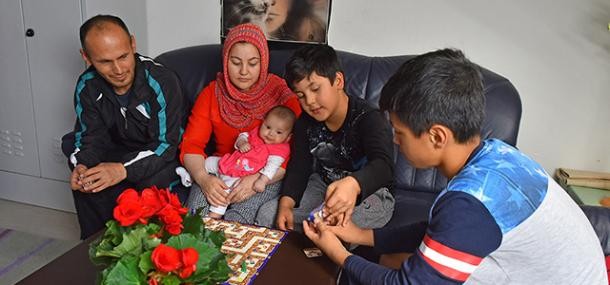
262	150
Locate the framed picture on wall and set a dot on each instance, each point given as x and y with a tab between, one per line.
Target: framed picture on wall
281	20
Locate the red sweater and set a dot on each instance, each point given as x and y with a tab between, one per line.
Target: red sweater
205	120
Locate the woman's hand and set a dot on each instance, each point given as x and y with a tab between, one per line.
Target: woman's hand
243	189
213	189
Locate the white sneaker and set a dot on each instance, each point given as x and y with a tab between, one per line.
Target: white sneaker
185	177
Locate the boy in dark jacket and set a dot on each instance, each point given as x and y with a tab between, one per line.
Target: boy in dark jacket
341	152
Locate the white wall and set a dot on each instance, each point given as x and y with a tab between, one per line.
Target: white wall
556	53
132	12
172	26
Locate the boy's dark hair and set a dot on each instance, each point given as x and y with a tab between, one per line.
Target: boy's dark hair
321	59
283	113
98	21
440	87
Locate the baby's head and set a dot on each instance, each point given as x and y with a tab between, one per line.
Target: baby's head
277	126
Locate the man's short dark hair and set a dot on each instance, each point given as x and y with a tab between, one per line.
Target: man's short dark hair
440	87
321	59
98	21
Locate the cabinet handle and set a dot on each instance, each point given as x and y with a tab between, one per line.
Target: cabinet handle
29	33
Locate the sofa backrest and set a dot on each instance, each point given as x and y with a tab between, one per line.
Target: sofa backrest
365	76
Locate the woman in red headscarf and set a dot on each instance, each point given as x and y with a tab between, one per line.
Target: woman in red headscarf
235	102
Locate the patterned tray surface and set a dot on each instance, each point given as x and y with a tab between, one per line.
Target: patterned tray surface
247	247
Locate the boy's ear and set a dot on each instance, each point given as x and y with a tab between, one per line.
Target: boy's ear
439	135
339	80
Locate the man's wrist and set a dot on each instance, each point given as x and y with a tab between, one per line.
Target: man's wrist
122	171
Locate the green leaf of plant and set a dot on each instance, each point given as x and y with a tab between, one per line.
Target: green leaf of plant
131	242
146	263
217	238
113	233
170	280
125	272
211	265
193	224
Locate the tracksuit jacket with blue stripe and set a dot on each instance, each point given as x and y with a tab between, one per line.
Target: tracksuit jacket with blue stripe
149	129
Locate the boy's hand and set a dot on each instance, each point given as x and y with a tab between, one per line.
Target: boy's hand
77	176
341	199
326	240
261	183
243	146
353	234
285	216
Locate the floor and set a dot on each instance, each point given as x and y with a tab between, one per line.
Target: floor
31	237
38	220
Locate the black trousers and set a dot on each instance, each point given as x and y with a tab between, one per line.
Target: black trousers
95	209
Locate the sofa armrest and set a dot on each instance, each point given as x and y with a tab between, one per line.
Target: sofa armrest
600	220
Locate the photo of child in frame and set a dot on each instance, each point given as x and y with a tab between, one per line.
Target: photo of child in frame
281	20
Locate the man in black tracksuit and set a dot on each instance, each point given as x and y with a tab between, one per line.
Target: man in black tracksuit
130	115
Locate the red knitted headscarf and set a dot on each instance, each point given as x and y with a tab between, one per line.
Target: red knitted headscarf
238	108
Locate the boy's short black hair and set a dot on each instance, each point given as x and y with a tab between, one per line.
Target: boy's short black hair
440	87
321	59
99	20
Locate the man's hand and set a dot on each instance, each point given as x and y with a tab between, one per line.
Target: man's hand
213	189
242	189
326	240
76	178
243	146
102	176
340	200
285	216
261	183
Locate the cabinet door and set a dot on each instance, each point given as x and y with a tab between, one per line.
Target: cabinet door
55	64
18	148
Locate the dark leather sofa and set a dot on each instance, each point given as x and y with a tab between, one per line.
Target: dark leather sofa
414	189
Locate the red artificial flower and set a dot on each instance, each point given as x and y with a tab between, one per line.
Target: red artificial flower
172	220
151	202
166	258
172	200
127	212
189	262
174	229
129	194
153	281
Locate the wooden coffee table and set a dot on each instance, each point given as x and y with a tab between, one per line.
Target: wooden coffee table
288	265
